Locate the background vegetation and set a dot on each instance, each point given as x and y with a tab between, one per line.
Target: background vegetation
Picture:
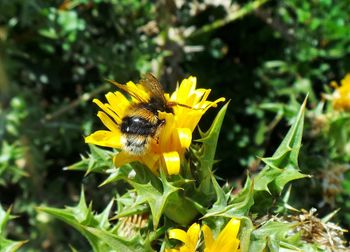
265	56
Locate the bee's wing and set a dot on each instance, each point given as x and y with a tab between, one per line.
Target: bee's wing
128	91
153	86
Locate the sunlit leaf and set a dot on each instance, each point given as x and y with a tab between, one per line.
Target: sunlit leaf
98	160
206	153
232	206
283	167
156	199
96	228
274	236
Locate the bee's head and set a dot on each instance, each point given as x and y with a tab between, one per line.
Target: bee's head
168	109
156	105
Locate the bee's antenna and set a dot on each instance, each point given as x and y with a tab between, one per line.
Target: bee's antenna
184	105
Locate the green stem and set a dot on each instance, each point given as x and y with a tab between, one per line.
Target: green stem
248	8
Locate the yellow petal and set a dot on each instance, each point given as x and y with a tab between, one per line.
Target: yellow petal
172	162
104	138
118	102
226	238
232	227
107	121
193	234
346	80
178	234
189	119
208	104
171	250
215	103
166	142
137	91
202	93
151	161
235	246
184	90
108	109
123	158
189	238
203	99
185	137
208	237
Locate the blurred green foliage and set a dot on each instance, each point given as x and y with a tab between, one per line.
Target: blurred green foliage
55	55
6	244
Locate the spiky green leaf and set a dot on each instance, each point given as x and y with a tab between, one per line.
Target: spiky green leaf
7	245
206	153
275	236
98	160
115	242
156	199
232	205
96	228
283	167
247	228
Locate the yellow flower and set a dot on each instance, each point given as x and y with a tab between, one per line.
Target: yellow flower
189	238
341	95
227	239
175	136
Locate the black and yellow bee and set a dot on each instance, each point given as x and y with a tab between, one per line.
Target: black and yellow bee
141	123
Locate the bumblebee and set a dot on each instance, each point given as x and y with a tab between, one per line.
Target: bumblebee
141	124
